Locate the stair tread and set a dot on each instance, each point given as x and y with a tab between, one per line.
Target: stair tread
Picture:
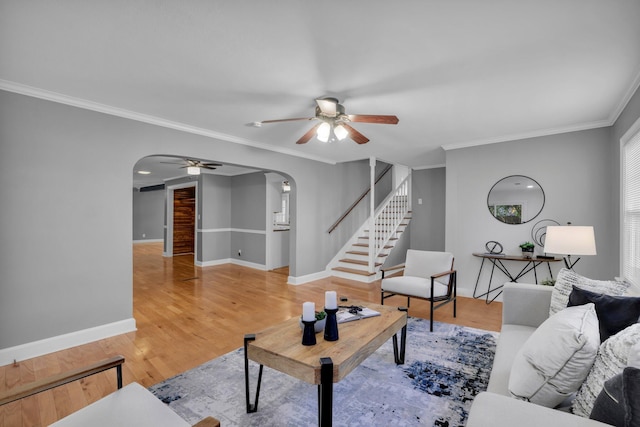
366	245
363	253
353	271
357	261
367	237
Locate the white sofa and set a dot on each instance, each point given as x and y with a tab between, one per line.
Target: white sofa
525	307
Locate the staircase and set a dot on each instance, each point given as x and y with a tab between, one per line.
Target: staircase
390	219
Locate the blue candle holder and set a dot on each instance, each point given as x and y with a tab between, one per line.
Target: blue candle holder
331	325
309	333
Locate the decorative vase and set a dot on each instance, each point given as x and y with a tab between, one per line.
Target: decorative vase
527	253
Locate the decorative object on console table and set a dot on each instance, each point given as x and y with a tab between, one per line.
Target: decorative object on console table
331	324
539	234
570	240
493	247
527	249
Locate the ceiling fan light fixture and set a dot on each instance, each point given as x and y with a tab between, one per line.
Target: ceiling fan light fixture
340	132
324	130
193	170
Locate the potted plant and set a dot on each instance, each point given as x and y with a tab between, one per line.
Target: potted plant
548	282
527	249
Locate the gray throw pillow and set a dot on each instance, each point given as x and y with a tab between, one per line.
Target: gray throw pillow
618	403
615	313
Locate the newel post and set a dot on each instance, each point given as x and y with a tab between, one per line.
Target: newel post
372	208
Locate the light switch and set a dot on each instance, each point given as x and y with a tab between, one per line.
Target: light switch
419	201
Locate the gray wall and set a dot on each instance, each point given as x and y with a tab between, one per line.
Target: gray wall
79	237
428	219
248	210
148	215
214	208
573	170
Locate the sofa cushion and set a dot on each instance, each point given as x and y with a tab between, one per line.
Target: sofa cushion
618	403
568	278
556	359
612	358
615	313
414	286
512	338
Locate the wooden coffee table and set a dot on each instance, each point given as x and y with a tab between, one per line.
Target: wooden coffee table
280	347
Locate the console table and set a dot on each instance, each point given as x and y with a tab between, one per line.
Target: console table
496	261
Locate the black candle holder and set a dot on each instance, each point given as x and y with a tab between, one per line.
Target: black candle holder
309	332
331	325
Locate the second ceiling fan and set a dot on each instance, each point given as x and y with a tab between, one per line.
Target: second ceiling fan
334	123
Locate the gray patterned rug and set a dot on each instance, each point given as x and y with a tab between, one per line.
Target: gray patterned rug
443	372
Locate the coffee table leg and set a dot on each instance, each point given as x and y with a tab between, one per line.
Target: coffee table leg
250	407
325	393
399	358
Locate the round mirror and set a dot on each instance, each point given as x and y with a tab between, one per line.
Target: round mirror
515	199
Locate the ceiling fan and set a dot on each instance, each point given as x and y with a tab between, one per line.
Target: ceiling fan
334	123
194	166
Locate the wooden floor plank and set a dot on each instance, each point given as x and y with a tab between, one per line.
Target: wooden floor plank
187	315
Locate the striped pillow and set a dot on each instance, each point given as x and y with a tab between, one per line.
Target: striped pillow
568	278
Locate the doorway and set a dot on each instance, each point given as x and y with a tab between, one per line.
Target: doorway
184	220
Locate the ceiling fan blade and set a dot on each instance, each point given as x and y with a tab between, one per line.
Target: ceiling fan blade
307	136
287	120
355	135
211	164
207	167
372	118
328	106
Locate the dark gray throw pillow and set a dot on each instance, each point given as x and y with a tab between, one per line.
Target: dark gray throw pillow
618	403
615	313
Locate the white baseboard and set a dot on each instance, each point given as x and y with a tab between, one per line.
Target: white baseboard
299	280
231	261
61	342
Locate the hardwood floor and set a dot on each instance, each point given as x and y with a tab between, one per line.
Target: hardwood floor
187	315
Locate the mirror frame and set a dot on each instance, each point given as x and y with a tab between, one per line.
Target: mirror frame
522	219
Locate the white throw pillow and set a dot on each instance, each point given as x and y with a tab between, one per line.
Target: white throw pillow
557	357
564	285
612	358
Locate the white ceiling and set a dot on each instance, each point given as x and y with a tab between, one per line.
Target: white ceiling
456	73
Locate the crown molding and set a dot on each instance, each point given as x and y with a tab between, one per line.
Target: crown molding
34	92
527	135
615	114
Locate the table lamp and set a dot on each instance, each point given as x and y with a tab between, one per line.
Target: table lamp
570	240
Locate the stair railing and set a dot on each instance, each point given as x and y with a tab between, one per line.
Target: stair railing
392	211
358	200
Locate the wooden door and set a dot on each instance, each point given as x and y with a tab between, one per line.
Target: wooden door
184	220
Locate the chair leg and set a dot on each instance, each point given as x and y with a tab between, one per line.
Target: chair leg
431	316
455	293
408	301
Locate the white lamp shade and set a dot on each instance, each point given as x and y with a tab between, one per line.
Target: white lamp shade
193	170
324	130
570	240
340	132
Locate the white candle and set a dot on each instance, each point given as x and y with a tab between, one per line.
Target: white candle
308	311
330	300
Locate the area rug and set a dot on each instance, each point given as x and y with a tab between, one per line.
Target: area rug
443	372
